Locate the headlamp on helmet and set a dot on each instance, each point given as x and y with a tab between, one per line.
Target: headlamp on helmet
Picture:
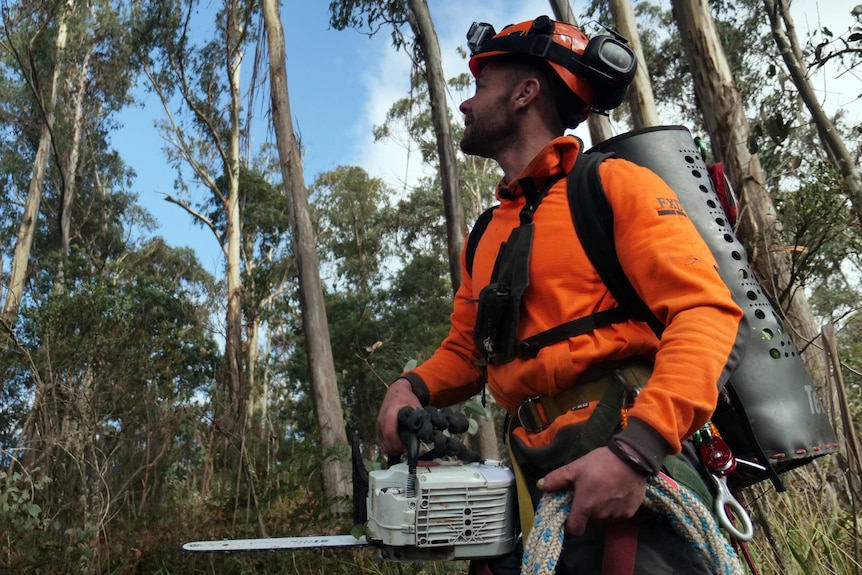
597	70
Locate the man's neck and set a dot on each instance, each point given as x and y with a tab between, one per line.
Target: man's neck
515	161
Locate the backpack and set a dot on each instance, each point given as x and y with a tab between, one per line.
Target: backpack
769	413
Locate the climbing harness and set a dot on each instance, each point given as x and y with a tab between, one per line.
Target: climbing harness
770	437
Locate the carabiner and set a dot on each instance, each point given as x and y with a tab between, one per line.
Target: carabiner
724	501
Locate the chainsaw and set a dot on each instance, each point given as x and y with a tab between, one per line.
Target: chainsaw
446	505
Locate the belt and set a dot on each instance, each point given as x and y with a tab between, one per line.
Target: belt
537	413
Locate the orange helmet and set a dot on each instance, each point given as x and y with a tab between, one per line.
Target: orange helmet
597	70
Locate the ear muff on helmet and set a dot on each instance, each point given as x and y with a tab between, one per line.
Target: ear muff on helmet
597	70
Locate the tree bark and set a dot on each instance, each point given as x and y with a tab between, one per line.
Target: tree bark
70	170
27	229
456	226
788	46
724	116
233	316
640	96
330	417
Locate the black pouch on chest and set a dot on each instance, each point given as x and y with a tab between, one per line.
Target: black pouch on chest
496	331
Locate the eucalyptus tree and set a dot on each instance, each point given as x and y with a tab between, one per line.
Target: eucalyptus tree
426	57
730	131
25	31
324	386
784	33
202	130
354	226
123	355
267	268
640	97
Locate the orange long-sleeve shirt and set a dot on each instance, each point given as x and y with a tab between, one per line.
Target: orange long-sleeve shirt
667	262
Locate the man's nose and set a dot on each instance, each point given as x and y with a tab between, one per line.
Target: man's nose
465	106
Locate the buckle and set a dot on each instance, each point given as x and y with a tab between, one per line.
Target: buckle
531	414
540	46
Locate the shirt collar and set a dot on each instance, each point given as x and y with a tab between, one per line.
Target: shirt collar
554	160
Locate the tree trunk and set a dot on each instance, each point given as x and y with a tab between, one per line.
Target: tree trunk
426	37
599	125
233	318
18	274
729	131
330	417
70	167
788	45
640	96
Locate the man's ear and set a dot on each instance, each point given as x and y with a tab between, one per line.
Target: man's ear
525	92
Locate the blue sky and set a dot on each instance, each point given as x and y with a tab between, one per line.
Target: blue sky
342	84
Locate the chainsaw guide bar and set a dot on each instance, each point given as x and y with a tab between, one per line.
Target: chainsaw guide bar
275	544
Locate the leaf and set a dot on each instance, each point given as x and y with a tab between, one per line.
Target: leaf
34	510
476	408
358	531
855	37
473	426
410	365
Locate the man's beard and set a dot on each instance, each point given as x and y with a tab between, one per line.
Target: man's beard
484	137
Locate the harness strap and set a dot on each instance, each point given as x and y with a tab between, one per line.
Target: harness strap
529	348
595	432
525	502
621	545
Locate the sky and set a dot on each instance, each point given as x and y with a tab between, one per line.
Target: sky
342	83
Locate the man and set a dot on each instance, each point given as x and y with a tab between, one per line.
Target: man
534	80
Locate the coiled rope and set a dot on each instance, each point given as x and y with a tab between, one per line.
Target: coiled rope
689	517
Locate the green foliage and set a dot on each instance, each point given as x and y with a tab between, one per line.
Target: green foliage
22	523
354	226
369	16
813	535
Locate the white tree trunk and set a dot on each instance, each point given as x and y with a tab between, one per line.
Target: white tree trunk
233	341
330	417
24	242
70	169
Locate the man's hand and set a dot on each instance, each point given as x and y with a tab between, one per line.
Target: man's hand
399	395
605	488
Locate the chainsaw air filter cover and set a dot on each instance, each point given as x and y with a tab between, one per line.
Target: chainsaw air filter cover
455	511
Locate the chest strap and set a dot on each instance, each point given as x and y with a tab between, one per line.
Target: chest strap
529	348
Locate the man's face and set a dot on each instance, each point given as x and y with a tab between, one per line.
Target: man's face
488	121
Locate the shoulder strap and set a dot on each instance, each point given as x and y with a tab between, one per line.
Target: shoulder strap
594	224
476	235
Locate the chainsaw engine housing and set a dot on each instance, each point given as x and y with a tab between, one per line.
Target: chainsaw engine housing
452	510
